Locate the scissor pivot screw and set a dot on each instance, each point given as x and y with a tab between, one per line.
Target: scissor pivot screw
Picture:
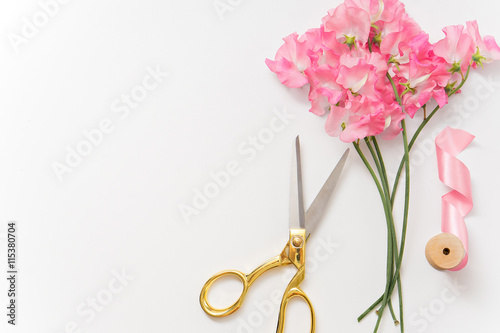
297	241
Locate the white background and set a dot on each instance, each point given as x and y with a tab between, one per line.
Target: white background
118	210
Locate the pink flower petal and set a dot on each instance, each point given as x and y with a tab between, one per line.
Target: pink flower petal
291	60
336	117
456	47
487	46
287	73
348	22
365	126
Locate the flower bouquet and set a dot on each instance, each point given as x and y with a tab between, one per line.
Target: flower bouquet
369	67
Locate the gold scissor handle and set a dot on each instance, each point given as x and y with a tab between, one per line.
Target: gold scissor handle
293	290
214	312
246	279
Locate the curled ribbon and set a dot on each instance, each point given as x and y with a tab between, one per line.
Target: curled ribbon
457	203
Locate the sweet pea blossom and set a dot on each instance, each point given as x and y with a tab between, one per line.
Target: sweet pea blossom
393	10
373	7
360	117
325	90
291	61
421	81
393	115
456	48
361	46
351	24
358	76
357	119
487	48
395	35
327	49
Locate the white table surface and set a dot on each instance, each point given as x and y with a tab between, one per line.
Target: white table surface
104	247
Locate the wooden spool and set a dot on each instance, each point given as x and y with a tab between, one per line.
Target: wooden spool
444	251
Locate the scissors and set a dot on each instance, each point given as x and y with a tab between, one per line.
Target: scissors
301	225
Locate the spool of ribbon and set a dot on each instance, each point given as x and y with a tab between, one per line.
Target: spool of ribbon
449	250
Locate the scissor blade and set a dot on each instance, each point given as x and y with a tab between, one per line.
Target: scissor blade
297	215
317	208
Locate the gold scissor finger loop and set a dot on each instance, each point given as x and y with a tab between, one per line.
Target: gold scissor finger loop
294	292
246	279
215	312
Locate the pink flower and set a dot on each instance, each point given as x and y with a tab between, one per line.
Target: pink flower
291	60
422	82
351	24
487	48
396	35
393	116
378	61
359	127
359	117
324	91
337	117
373	7
357	76
332	47
421	47
393	11
456	48
327	49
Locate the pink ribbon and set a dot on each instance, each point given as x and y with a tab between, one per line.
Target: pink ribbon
454	174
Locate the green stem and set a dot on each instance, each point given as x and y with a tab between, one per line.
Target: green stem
400	293
391	237
385	183
391	308
387	212
410	145
397	278
367	311
396	95
394	242
405	217
370	169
